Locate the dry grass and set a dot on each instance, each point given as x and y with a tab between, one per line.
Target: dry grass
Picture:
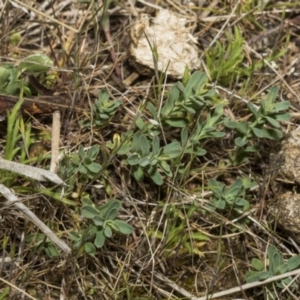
143	266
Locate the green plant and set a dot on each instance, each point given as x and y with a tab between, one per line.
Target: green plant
226	62
230	198
16	130
103	110
103	222
185	99
13	135
205	129
142	151
82	166
148	158
224	59
10	76
275	266
264	123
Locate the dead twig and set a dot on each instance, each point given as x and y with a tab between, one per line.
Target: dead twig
29	171
55	141
34	219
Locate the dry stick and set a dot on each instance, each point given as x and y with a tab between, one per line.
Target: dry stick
34	219
173	285
55	141
247	286
29	171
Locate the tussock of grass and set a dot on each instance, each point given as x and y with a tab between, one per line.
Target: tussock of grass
191	237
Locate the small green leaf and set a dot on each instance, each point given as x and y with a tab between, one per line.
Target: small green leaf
242	127
155	145
152	110
275	258
75	236
248	183
170	151
281	269
235	188
144	144
89	212
280	106
153	161
4	76
87	201
112	204
155	176
254	111
123	150
107	231
123	227
94	167
184	136
189	110
100	239
195	82
252	149
51	250
172	98
272	121
200	152
144	161
176	122
198	236
138	173
36	63
111	214
267	104
166	168
216	187
269	133
293	262
136	142
13	88
93	151
240	142
81	152
89	248
98	221
230	124
252	276
186	75
258	132
265	275
241	202
103	97
216	134
219	203
282	117
133	159
140	123
257	264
